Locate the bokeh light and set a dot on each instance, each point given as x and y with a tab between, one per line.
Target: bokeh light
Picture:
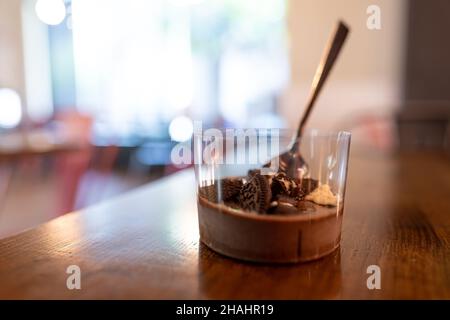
51	12
10	108
181	129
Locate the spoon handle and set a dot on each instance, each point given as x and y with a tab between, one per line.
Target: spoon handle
326	63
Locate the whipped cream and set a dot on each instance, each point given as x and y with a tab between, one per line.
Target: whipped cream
322	195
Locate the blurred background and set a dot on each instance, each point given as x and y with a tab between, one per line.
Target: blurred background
95	93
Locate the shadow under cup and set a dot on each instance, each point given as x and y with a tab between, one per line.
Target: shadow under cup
310	229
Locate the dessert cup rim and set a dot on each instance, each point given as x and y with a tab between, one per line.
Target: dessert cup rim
288	133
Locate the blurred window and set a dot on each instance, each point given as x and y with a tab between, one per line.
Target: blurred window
141	63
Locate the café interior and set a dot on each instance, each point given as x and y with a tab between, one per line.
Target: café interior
95	94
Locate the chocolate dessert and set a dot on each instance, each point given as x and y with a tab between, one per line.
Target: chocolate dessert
269	218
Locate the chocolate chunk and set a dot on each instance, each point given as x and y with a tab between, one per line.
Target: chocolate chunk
286	208
298	193
230	188
273	204
282	184
209	192
282	199
256	195
303	187
309	185
272	207
306	206
285	205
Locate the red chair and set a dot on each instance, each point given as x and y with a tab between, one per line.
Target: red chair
72	166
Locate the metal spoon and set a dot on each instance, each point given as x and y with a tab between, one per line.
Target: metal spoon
291	162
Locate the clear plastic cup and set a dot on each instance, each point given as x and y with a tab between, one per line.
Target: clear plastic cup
263	216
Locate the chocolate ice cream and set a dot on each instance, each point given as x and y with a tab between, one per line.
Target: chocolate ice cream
237	214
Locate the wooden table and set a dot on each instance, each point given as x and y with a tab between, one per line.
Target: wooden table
144	244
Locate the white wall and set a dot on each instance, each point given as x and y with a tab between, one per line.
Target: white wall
368	76
37	63
11	51
24	57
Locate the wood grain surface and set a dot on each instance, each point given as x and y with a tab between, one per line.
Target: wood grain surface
144	244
